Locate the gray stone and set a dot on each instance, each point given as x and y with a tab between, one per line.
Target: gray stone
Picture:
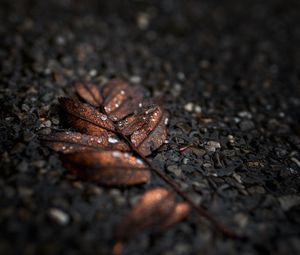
289	201
175	170
212	146
59	216
246	125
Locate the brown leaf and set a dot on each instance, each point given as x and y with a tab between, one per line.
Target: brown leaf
147	129
121	99
87	127
157	207
108	167
89	92
86	113
69	142
145	121
180	212
153	208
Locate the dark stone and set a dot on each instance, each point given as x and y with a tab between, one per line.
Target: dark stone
226	71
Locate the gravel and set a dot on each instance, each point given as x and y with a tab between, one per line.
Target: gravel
229	77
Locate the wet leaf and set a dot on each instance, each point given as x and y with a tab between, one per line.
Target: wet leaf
86	113
141	119
108	167
125	114
69	142
121	99
147	129
89	92
86	127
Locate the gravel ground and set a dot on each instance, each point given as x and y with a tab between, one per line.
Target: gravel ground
230	77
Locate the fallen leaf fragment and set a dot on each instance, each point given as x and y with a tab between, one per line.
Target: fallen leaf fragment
141	119
147	129
156	208
102	140
121	99
86	127
153	208
89	92
108	167
70	142
180	212
86	113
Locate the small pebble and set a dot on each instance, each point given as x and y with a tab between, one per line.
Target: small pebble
245	114
55	121
289	201
231	139
48	123
60	40
93	72
296	161
246	125
189	107
181	76
241	219
135	79
39	163
143	20
25	107
185	161
198	109
212	146
22	167
176	90
207	165
59	216
175	170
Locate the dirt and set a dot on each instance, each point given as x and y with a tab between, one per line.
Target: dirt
229	76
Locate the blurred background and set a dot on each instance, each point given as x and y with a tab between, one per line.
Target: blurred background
229	73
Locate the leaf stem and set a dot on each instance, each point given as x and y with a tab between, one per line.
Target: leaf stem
202	211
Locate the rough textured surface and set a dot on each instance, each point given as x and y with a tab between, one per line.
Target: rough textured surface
230	77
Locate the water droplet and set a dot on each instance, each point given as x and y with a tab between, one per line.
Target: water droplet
103	117
139	161
112	140
166	121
